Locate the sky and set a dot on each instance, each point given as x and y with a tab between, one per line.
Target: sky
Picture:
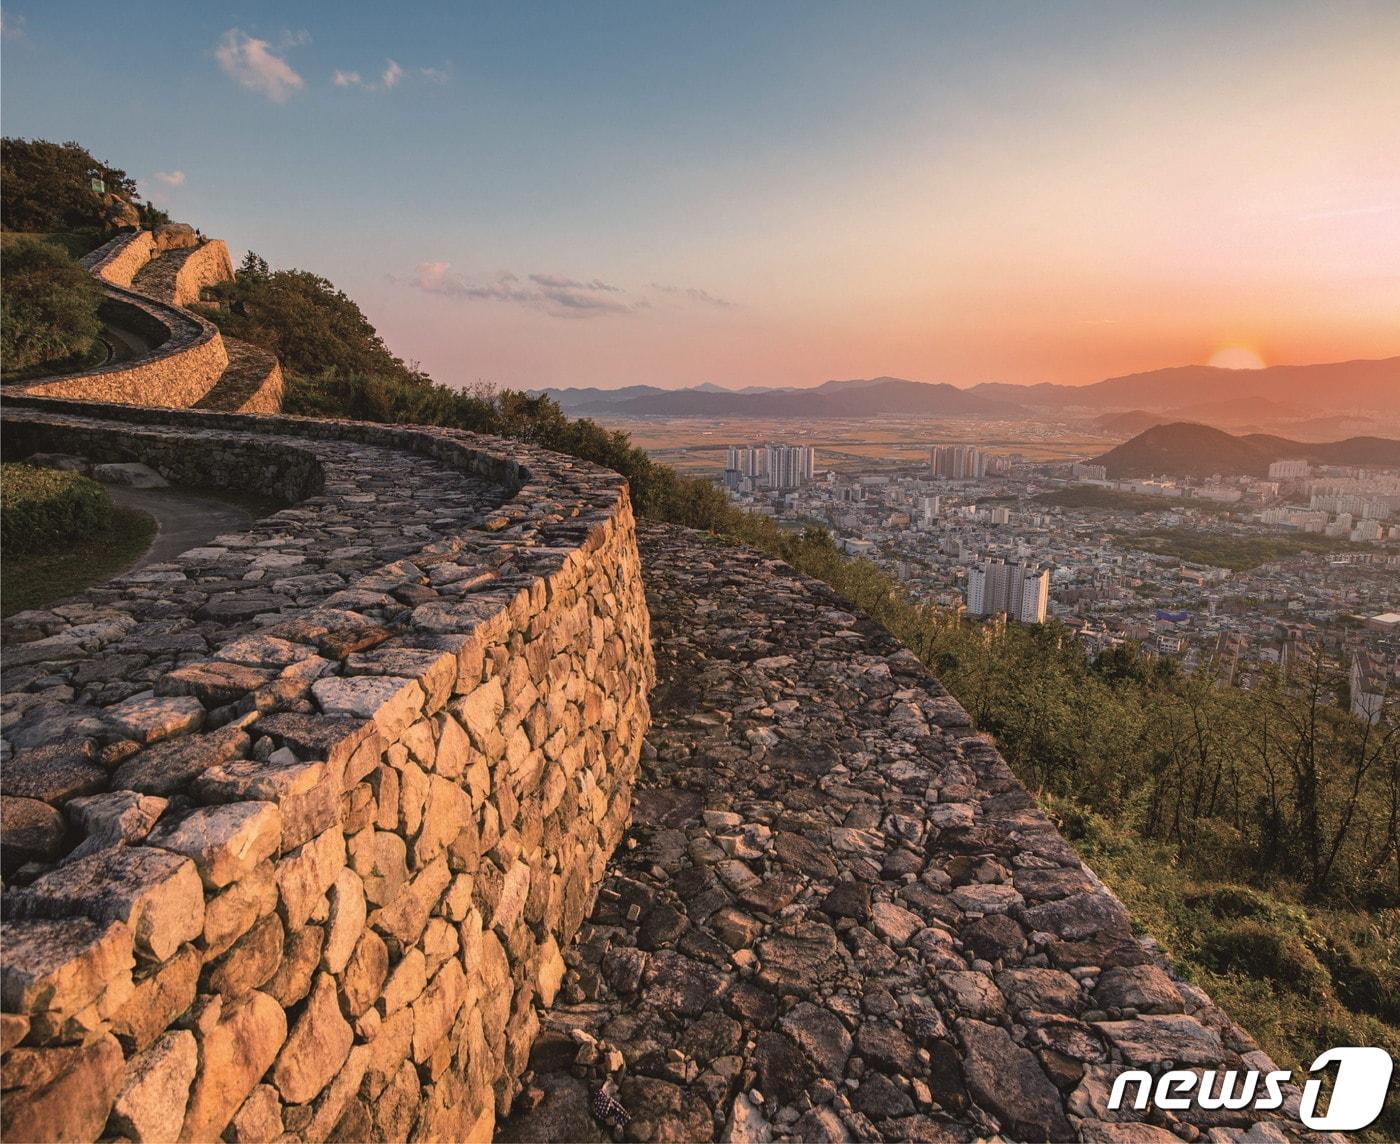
774	194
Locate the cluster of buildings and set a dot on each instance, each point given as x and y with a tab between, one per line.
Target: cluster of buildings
999	544
749	467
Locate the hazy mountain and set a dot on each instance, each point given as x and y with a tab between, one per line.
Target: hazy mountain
590	397
1237	411
1234	396
1128	424
1185	449
1332	386
860	398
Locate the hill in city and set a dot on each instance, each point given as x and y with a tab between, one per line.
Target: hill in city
1187	449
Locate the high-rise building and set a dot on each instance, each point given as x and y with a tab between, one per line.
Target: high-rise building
1020	590
747	459
789	466
957	462
783	466
1289	470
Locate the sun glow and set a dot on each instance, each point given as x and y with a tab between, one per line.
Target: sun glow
1236	357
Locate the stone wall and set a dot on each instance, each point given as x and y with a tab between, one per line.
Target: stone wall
148	280
119	261
177	373
206	265
317	875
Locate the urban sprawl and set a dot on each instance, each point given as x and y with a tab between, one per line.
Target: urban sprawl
1313	553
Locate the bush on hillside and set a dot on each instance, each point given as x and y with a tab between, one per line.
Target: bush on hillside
40	508
47	186
48	306
313	328
1259	950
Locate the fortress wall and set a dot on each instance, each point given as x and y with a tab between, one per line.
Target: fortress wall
177	373
206	265
331	869
187	362
117	262
267	397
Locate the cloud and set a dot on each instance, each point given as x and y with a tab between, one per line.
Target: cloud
256	65
390	78
11	27
554	294
170	178
693	294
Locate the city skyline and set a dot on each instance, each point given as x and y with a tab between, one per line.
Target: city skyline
548	196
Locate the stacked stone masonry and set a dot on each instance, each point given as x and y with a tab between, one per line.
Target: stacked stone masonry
149	279
839	916
297	827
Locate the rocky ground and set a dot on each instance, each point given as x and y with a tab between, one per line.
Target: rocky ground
838	916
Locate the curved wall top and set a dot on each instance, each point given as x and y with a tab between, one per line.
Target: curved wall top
328	799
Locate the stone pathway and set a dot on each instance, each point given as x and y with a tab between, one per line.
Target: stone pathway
185	520
377	506
838	916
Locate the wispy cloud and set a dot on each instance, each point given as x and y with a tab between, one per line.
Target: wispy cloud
170	178
390	77
559	295
11	27
554	294
693	294
257	64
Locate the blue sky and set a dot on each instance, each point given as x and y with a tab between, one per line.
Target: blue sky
609	194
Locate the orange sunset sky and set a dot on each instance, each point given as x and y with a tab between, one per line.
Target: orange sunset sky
782	193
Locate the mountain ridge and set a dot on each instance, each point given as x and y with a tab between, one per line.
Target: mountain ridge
1359	384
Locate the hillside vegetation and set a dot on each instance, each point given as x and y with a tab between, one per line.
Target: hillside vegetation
48	309
1254	832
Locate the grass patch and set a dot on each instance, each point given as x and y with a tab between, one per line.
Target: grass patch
37	579
75	243
1238	553
40	508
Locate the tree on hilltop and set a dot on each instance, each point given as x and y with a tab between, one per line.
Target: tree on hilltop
47	186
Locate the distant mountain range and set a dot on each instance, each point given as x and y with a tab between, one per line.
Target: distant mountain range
866	397
1279	393
1186	449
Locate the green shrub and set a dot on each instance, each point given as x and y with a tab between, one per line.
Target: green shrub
48	306
1259	950
44	507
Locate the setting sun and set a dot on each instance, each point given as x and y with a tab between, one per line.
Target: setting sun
1236	357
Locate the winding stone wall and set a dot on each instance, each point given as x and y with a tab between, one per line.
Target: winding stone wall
180	371
308	815
191	365
839	916
179	277
119	261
